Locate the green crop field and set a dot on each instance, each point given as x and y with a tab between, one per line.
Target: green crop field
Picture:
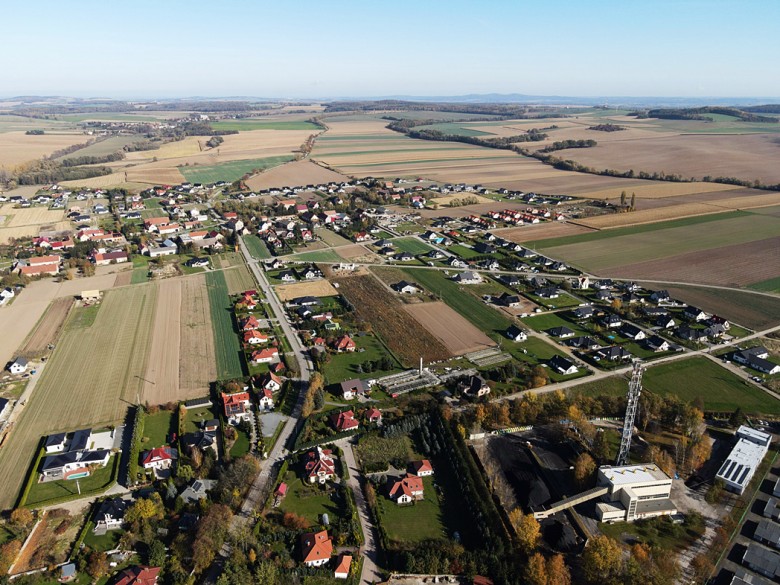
463	251
104	147
457	128
771	285
412	245
231	171
472	308
225	335
641	247
689	378
257	247
246	125
320	256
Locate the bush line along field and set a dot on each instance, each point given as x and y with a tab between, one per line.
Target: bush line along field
225	333
73	392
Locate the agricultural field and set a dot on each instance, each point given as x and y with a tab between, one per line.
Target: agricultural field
17	321
412	245
17	147
457	334
48	329
161	380
197	361
227	349
248	124
406	338
303	172
459	298
239	280
769	285
319	288
690	378
332	238
104	147
71	393
599	256
319	256
541	231
257	247
231	171
30	216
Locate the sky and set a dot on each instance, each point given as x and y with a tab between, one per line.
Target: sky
334	48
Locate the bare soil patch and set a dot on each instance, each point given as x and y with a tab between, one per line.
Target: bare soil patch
18	147
659	189
123	278
16	322
197	361
302	172
542	231
737	265
49	328
161	381
320	288
456	333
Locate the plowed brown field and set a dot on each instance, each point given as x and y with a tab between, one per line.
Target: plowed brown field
320	288
197	361
16	322
456	333
49	328
542	231
302	172
161	381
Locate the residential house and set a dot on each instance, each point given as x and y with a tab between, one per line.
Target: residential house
287	276
237	407
197	262
344	343
583	312
159	458
468	278
583	343
265	399
343	564
253	337
612	353
318	466
482	248
660	296
563	366
665	322
612	321
516	334
344	421
374	415
265	356
137	575
55	443
111	514
756	358
604	295
508	300
691	334
715	331
604	284
106	258
547	293
18	366
270	382
655	311
695	313
474	386
352	388
249	323
422	468
509	279
407	489
632	332
74	463
316	548
200	440
405	287
657	343
562	332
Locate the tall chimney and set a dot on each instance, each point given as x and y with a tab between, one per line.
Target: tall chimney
421	365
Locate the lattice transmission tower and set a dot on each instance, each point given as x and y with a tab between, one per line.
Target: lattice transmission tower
634	390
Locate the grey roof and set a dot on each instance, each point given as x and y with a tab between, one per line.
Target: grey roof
613	352
560	362
80	440
630	329
56	439
742	577
354	385
94	456
513	331
115	508
561	331
197	490
53	462
21	361
761	558
768	531
473	384
656	341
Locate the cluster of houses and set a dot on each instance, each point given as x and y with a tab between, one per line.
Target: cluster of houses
38	266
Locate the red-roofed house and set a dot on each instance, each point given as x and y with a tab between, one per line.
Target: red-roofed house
105	259
159	458
374	415
254	337
270	382
247	301
236	406
230	215
138	575
422	468
249	323
344	421
361	237
277	367
281	491
316	548
342	566
265	399
407	489
319	466
265	356
344	343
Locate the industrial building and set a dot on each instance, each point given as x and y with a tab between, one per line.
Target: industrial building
762	560
744	459
634	492
742	577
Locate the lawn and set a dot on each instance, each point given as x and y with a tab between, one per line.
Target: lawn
241	446
412	245
157	428
539	352
343	366
231	171
689	378
226	344
41	492
312	508
109	541
416	522
247	125
140	276
658	532
257	247
194	417
463	251
332	238
375	452
471	307
320	256
564	300
547	321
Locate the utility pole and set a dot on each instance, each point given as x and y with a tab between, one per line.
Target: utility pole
634	391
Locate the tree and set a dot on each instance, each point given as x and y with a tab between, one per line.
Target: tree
97	564
536	570
623	199
601	447
146	508
21	517
601	559
294	522
738	418
156	553
8	554
557	571
633	201
584	468
526	530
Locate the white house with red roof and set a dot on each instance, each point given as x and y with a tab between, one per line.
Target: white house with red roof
407	489
270	382
344	421
344	343
254	337
265	356
249	323
138	575
237	407
422	468
316	548
265	399
374	415
159	458
343	564
319	466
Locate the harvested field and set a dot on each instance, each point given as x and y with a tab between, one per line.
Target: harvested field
600	255
332	238
17	147
658	189
28	231
404	335
456	333
48	289
190	145
604	222
49	328
359	254
445	201
763	200
238	280
302	172
96	182
320	288
541	231
30	215
737	265
197	362
16	323
161	381
744	308
155	176
72	393
123	278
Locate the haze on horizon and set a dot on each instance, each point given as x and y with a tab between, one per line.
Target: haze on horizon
146	49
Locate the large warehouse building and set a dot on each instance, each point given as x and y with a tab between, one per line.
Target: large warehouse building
744	459
634	492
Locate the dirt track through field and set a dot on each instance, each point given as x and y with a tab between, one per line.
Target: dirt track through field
49	327
161	381
456	333
197	361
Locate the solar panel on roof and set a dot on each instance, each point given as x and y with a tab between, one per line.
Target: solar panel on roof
744	475
731	468
736	472
723	468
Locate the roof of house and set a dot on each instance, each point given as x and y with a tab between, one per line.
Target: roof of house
115	508
197	490
56	439
561	331
423	465
406	486
138	575
344	562
373	413
559	362
319	461
355	385
631	329
473	384
316	546
344	421
158	454
80	440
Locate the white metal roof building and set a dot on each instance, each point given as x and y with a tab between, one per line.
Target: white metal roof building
634	492
744	459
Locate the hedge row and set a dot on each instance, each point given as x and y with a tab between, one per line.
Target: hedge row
32	476
135	446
